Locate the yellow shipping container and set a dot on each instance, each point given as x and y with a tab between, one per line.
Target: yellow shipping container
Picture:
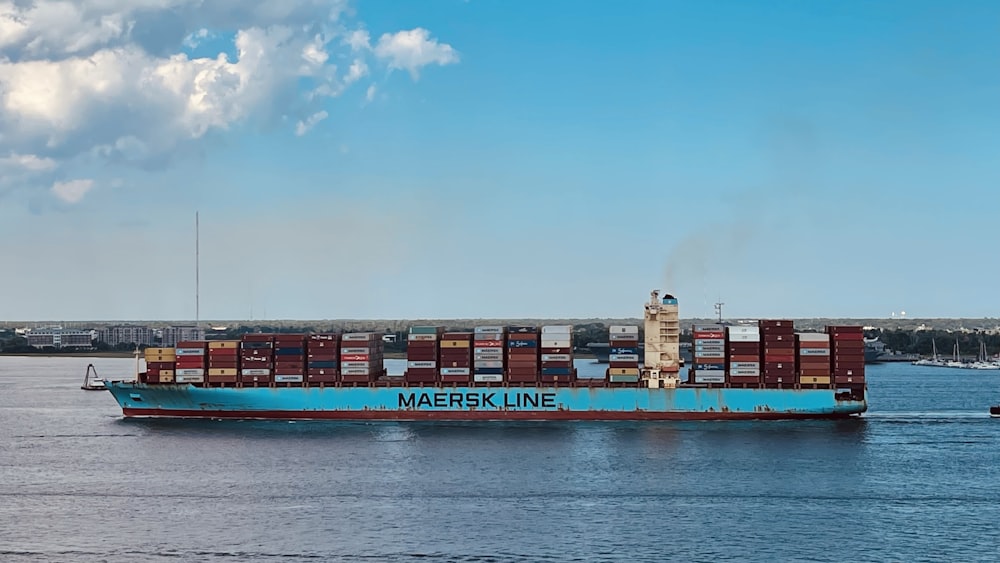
222	371
623	371
161	352
166	372
455	343
166	378
223	344
169	359
815	380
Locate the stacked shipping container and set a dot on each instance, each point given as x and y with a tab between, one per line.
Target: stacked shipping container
522	354
322	358
256	358
160	365
422	354
847	347
191	363
743	353
224	361
557	354
487	354
623	358
360	357
814	358
779	352
709	354
289	358
455	359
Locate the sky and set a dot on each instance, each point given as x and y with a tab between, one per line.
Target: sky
489	159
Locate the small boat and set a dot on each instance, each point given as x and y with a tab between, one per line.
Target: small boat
94	383
995	411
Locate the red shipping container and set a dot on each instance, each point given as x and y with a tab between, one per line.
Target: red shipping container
487	343
256	365
848	379
522	336
161	365
323	337
356	378
222	378
322	378
255	378
323	356
455	379
223	363
744	358
699	335
354	357
744	379
769	338
522	377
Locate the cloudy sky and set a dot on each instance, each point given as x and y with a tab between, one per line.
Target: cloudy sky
467	158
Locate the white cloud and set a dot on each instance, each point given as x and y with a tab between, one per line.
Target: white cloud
413	49
73	190
29	162
303	127
370	94
93	82
358	40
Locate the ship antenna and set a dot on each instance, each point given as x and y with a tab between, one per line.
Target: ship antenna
718	309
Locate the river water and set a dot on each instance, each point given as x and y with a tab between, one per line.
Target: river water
915	479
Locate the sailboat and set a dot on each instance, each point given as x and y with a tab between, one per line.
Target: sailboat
935	360
983	361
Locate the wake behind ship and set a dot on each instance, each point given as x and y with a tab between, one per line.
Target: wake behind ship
766	371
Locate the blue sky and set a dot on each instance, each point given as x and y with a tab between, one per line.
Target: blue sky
504	159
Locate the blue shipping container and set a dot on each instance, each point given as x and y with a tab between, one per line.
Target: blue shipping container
700	367
522	343
557	371
488	371
323	365
624	351
288	351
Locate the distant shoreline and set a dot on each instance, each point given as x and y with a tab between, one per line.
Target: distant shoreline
106	354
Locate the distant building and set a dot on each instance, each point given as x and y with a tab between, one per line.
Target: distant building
171	335
126	334
60	338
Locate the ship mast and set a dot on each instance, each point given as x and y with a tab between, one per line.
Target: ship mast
197	273
718	310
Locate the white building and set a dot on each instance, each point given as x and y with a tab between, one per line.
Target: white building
60	338
126	334
171	335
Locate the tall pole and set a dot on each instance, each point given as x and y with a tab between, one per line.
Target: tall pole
197	273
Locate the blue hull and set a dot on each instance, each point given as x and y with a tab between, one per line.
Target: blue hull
480	403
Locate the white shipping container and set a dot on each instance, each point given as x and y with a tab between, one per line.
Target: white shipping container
355	371
743	329
814	351
709	349
488	363
487	357
557	329
710	377
490	350
706	328
710	355
190	352
709	341
488	336
189	378
348	365
189	371
454	371
255	371
355	350
357	336
430	364
556	357
623	358
813	337
744	365
422	337
554	343
624	329
487	378
288	378
484	329
624	337
745	371
744	337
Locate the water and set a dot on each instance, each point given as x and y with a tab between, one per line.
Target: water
914	480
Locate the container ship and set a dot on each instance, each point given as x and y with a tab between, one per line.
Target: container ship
767	371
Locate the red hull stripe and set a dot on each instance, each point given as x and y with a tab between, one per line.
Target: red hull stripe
475	415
